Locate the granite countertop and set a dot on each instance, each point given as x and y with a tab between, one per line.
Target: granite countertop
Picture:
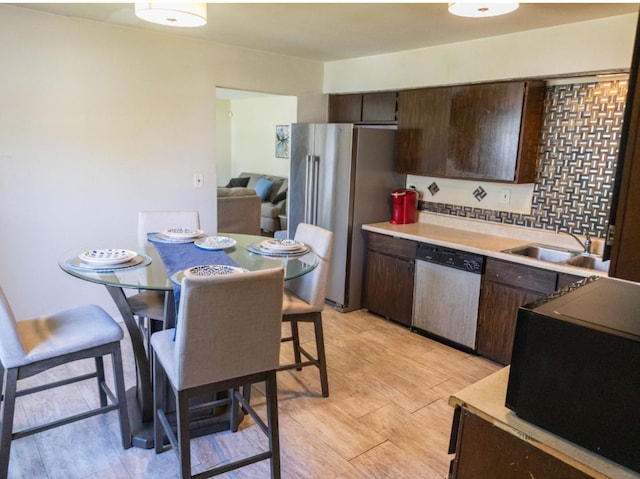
486	400
485	238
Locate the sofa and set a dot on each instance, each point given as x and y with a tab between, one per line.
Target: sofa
238	211
272	193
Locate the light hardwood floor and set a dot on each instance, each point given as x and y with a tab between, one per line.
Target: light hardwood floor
387	415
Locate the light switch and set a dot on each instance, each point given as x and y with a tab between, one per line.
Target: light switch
505	196
198	180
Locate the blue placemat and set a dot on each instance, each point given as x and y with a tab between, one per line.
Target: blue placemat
179	256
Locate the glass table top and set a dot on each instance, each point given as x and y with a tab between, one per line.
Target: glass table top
153	276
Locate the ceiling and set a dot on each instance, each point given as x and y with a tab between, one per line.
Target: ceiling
336	31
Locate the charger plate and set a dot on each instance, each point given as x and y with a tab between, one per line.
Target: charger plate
215	242
206	271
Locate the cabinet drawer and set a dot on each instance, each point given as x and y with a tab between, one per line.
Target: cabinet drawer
520	276
398	247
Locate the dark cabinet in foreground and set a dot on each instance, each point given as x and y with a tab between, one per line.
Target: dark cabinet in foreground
484	451
389	277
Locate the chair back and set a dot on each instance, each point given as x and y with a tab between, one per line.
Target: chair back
312	286
11	349
156	221
228	326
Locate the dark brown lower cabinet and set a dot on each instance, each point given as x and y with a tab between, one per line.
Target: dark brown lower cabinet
389	277
484	451
505	287
565	280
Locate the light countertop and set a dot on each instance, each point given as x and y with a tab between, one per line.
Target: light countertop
485	238
486	400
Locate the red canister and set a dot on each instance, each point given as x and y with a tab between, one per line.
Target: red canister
404	204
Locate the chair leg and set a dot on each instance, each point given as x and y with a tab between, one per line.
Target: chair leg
158	404
123	413
234	420
322	361
246	394
296	343
6	428
100	378
184	441
271	390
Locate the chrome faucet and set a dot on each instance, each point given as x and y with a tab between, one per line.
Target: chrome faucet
586	246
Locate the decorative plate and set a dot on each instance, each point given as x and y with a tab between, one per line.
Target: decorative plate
182	233
208	270
282	245
215	242
260	249
107	256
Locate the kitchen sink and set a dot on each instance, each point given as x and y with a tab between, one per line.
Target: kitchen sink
589	262
552	254
544	253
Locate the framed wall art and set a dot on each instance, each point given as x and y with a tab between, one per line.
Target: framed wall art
282	141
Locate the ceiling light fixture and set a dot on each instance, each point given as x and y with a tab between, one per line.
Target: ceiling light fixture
481	9
173	14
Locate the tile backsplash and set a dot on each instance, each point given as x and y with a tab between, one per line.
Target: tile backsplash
577	159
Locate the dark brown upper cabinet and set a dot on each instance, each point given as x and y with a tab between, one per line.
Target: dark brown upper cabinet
472	132
363	108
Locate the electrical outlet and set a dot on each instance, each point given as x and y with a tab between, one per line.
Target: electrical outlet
505	196
198	180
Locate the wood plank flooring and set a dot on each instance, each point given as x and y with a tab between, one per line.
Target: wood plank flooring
386	417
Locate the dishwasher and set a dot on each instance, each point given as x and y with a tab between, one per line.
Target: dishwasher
447	295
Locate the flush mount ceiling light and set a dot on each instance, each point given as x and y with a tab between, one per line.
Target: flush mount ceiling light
173	14
481	9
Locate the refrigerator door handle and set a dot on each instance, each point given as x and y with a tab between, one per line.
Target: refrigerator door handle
312	181
308	197
316	189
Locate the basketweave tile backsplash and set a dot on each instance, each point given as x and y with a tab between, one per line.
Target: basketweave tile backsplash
576	161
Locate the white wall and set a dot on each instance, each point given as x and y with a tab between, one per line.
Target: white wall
98	122
253	125
223	141
598	45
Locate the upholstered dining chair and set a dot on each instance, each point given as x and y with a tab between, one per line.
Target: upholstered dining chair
227	336
304	299
149	306
32	346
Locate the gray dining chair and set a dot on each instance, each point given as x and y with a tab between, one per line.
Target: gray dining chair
227	336
149	306
32	346
304	299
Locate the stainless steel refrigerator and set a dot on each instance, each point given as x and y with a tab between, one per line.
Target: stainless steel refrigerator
341	177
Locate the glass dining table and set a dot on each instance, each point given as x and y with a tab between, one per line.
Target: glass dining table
150	274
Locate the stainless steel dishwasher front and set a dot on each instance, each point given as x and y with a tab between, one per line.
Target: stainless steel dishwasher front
447	294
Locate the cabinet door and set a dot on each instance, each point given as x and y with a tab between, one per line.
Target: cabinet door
499	305
379	107
505	287
624	218
345	108
484	131
389	287
484	451
423	129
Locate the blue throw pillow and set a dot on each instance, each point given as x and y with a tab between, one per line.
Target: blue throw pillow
263	187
